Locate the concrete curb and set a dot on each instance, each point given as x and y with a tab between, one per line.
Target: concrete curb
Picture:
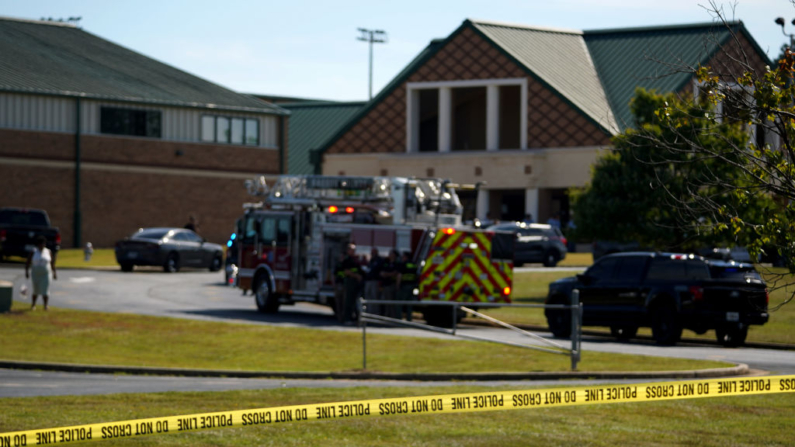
738	370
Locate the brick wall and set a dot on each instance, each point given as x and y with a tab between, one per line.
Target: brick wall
116	203
551	121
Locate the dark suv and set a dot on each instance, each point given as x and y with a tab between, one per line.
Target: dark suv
535	243
667	292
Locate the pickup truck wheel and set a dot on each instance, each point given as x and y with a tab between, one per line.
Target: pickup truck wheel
623	332
551	259
266	300
731	337
559	320
665	326
127	267
172	263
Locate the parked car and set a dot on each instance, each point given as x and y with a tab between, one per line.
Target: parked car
19	229
664	291
171	248
535	243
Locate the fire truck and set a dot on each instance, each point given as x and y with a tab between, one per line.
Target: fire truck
289	242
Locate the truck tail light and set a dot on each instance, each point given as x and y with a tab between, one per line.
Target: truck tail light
564	241
349	210
697	292
767	296
2	235
506	291
57	238
333	209
449	231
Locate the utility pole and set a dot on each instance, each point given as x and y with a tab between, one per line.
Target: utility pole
372	36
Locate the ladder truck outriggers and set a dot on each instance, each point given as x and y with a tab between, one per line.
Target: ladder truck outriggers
289	243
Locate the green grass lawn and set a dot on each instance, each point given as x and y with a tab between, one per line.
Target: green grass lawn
74	258
123	339
745	420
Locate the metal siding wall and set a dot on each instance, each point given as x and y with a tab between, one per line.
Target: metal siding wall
32	112
54	114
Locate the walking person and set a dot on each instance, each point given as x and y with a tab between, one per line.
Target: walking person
353	285
43	262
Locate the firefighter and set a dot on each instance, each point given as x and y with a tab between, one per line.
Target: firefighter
407	283
389	276
339	286
372	281
353	284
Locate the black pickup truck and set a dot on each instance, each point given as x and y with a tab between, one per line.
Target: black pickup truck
19	229
664	291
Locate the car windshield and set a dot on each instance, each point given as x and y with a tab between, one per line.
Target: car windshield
17	217
154	234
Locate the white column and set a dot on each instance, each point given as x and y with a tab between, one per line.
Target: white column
482	210
531	203
523	125
492	117
413	121
445	119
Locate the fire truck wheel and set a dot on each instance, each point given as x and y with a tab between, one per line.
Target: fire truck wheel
266	301
172	263
216	263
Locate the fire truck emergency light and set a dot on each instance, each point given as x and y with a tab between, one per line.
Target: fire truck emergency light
333	209
349	210
449	231
506	291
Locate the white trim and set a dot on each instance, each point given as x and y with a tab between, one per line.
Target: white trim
466	83
535	152
445	132
111	167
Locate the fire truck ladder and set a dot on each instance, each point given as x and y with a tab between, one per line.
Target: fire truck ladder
309	189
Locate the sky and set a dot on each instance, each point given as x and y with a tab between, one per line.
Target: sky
309	49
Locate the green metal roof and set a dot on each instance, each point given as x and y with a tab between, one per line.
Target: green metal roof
560	59
649	57
311	124
53	58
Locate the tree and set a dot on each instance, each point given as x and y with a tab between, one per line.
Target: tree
653	188
736	189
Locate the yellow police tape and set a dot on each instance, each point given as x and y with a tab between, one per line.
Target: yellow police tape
439	404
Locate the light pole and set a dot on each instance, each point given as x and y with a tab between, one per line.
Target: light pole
372	36
780	21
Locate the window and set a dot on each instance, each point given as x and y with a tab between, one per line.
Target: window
192	237
603	269
268	231
666	269
139	123
21	217
237	130
252	132
208	129
631	269
469	118
181	237
283	232
222	129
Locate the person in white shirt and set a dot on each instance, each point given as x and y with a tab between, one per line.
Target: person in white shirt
43	262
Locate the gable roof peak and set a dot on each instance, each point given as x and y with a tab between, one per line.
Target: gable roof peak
523	26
